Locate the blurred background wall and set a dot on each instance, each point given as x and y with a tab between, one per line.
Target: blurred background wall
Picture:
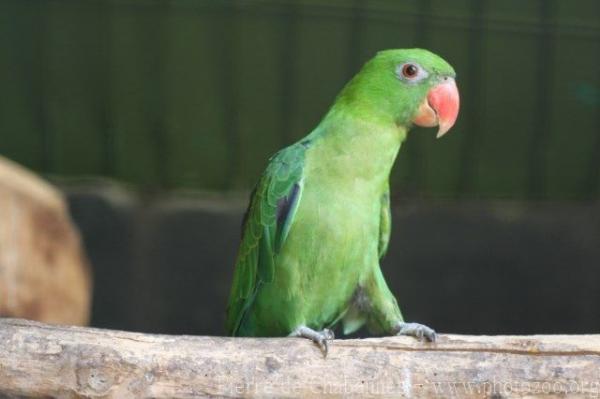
157	117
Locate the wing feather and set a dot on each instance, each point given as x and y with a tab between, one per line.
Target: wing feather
385	224
268	219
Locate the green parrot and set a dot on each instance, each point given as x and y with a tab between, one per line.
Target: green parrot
319	219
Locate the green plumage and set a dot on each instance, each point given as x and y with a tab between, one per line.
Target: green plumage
262	236
319	218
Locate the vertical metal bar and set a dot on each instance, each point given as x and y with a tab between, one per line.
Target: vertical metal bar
544	81
289	44
159	132
226	57
592	183
423	26
155	42
475	95
415	166
40	87
355	36
105	90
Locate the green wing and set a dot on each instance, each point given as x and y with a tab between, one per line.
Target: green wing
267	222
385	224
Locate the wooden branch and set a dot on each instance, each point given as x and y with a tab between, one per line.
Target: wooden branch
46	360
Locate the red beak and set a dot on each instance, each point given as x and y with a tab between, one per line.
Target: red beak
440	108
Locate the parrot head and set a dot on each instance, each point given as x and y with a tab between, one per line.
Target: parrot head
410	86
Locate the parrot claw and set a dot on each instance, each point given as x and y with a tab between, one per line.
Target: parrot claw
419	331
318	337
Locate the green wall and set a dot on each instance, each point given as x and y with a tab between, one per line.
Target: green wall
198	94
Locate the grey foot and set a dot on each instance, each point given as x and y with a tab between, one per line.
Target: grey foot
416	330
318	337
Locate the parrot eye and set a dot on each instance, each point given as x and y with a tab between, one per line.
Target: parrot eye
411	72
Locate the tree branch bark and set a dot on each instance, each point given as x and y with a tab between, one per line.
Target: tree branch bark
58	361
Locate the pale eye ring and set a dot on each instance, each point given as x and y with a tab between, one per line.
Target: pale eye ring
411	72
